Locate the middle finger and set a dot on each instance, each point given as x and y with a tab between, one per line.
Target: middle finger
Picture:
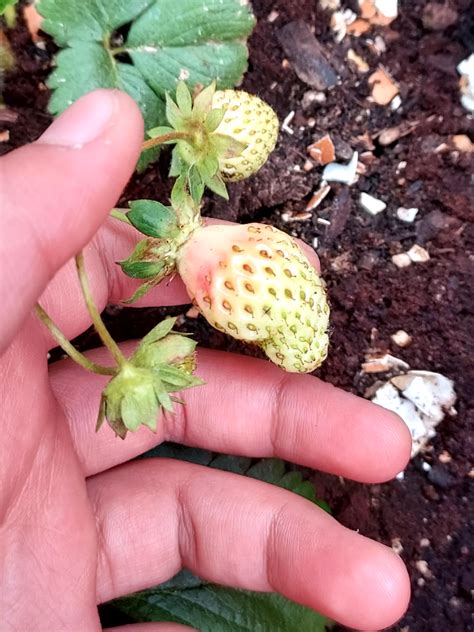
247	407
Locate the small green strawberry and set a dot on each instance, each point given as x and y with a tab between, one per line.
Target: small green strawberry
254	282
163	363
223	135
253	123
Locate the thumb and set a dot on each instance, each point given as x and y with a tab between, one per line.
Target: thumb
55	193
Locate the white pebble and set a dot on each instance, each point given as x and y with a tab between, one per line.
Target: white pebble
371	204
401	338
418	254
407	214
335	172
401	260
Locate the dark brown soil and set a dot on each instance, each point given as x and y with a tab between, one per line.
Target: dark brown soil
429	512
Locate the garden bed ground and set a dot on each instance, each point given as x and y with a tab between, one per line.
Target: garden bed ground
427	513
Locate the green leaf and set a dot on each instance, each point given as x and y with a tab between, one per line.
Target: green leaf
173	114
216	184
181	452
212	608
209	166
4	4
231	463
214	119
183	98
141	269
158	332
141	291
86	66
168	40
176	379
178	167
196	184
153	219
137	266
227	146
87	20
194	40
203	100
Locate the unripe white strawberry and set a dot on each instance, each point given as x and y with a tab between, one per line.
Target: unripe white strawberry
254	282
250	121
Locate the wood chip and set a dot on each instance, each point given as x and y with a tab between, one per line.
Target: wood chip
301	216
390	134
358	27
307	56
322	151
384	363
367	9
341	208
384	89
318	197
33	21
366	141
463	143
367	158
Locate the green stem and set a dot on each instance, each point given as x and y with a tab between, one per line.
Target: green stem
117	213
99	325
163	138
68	348
118	50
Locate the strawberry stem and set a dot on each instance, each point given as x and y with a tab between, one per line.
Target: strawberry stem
163	138
99	325
68	348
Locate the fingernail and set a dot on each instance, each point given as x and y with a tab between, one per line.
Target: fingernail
84	121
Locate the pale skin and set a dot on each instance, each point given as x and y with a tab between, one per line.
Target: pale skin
80	524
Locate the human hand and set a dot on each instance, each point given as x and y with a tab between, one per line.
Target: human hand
80	525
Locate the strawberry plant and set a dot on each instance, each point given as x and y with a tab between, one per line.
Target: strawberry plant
202	41
253	282
7	10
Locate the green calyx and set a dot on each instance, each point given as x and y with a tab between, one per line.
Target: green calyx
167	229
162	364
198	153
